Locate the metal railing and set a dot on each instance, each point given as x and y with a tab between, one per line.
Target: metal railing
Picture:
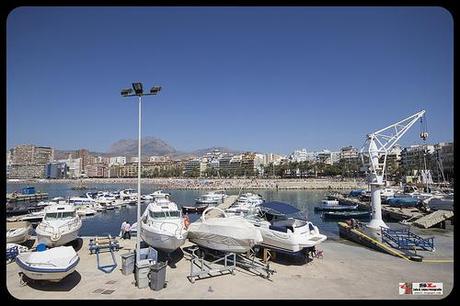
406	240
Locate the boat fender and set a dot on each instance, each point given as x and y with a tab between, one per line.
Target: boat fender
186	221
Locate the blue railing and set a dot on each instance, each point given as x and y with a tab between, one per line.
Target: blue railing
404	239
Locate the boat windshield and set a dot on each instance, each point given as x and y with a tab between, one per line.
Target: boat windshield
165	214
59	215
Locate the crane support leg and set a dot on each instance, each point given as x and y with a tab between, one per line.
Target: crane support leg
376	203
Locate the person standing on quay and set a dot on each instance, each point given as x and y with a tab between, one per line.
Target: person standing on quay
127	234
122	229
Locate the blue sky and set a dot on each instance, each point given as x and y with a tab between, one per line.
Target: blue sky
263	79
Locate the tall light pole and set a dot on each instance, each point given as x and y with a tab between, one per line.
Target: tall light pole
138	91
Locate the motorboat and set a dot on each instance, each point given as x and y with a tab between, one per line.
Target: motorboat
342	215
18	232
33	217
86	210
211	198
159	194
46	203
245	203
81	201
227	234
51	265
128	194
336	208
60	225
163	226
196	209
284	227
329	203
59	200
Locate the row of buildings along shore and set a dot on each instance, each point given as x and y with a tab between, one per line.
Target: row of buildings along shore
31	161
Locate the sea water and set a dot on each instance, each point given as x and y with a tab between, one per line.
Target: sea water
109	222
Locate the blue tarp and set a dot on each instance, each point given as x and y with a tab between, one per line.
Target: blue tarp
356	192
403	201
280	207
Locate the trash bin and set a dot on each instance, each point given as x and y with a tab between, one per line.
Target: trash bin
157	276
148	253
142	273
127	263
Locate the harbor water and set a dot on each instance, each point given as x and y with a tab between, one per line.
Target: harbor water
108	222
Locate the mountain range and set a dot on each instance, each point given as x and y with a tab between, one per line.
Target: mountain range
150	146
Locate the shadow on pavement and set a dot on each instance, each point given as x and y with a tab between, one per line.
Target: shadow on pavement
66	284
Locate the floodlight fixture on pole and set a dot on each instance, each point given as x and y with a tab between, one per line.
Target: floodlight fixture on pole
139	92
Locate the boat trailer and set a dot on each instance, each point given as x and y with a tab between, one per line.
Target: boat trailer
223	263
99	244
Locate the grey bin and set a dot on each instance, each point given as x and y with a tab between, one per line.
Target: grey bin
142	273
158	276
128	263
148	253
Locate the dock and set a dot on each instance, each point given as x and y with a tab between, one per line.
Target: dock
338	275
439	216
389	212
405	215
228	201
18	197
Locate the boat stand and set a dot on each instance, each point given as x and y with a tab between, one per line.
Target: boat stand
251	263
201	268
107	244
247	261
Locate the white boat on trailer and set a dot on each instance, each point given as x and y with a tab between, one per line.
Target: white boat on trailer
51	265
228	234
60	225
163	226
284	228
18	232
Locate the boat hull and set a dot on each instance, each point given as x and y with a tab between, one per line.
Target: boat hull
227	235
51	241
345	215
18	236
287	242
162	241
48	274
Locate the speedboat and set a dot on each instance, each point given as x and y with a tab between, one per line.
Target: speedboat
211	198
128	194
227	234
245	203
163	226
18	232
334	205
159	194
59	226
85	210
284	228
46	203
33	217
52	265
342	215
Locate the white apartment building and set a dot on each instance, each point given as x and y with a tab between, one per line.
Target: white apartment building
117	160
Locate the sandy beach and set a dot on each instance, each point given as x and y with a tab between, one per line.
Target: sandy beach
221	184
